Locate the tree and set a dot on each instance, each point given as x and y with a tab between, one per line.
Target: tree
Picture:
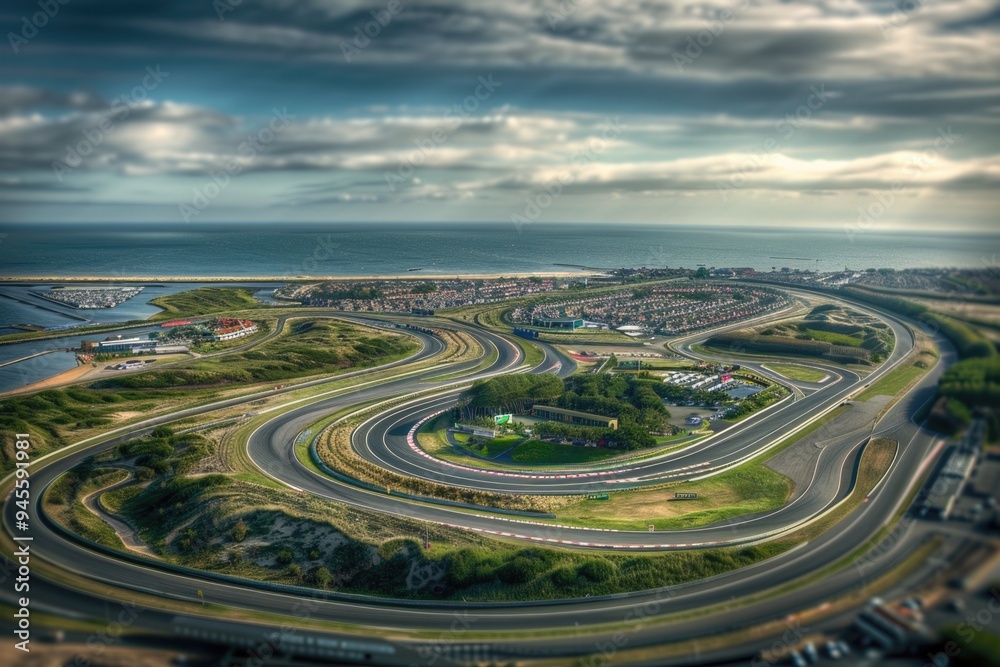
322	577
351	557
240	531
961	414
597	570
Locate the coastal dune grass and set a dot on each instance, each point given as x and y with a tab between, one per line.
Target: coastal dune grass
204	301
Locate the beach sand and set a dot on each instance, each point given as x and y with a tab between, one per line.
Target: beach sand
66	377
82	373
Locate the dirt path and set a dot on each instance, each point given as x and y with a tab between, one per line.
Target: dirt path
126	534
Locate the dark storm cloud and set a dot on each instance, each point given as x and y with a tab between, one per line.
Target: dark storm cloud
18	99
700	85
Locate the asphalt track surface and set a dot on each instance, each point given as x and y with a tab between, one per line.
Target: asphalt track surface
386	436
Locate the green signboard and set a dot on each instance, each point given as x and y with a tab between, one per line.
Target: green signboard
597	496
502	419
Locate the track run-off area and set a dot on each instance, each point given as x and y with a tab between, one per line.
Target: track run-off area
396	408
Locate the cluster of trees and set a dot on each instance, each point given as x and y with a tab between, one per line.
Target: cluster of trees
967	340
349	559
758	401
510	393
746	342
504	574
164	452
972	382
628	436
975	382
635	400
632	399
469	567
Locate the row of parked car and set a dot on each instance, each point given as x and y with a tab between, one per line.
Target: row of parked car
835	650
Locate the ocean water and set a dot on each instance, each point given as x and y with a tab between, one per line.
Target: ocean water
246	250
253	250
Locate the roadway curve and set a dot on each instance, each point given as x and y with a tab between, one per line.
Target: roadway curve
271	446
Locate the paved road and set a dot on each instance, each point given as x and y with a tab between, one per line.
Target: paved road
270	448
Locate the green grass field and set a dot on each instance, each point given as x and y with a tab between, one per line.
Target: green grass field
56	417
749	489
305	347
433	439
893	382
489	448
834	338
204	301
666	439
794	372
539	451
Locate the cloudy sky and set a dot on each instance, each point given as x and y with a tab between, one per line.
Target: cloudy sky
761	112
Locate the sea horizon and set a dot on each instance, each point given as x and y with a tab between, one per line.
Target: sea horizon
212	251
